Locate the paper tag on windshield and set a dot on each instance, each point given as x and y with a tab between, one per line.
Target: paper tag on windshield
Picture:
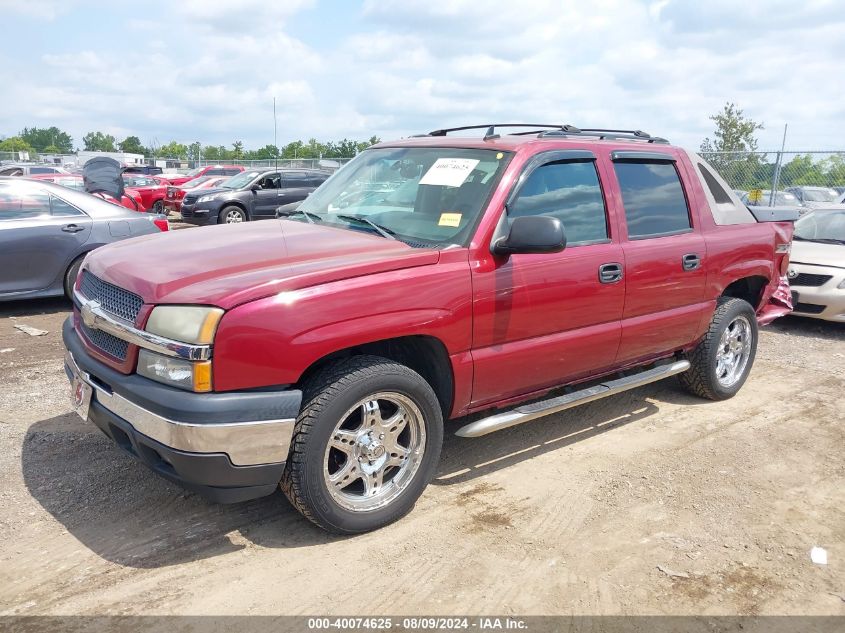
449	172
450	219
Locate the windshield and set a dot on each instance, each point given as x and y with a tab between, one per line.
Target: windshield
196	182
432	195
820	195
241	180
821	226
194	172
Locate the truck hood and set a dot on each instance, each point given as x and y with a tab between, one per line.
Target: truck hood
818	254
230	264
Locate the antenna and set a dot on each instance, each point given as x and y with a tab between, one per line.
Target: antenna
275	142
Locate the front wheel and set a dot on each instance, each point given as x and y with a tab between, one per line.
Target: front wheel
232	215
365	445
722	360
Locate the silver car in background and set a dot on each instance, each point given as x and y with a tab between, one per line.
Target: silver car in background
817	265
47	229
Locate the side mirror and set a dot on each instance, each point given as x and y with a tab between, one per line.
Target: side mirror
255	187
532	234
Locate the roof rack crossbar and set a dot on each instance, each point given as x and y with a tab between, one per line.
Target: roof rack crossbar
607	134
487	126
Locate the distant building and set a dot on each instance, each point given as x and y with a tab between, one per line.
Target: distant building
121	157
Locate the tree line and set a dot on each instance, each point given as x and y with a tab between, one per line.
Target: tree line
52	140
733	153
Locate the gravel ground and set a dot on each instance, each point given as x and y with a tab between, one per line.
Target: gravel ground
650	502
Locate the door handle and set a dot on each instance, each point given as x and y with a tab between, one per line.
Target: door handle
610	273
72	228
690	261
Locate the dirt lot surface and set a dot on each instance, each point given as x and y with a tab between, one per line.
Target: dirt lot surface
646	503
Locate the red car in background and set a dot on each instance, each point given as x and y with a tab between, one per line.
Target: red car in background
131	198
175	193
208	170
152	190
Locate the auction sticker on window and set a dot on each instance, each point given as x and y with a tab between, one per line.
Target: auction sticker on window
449	172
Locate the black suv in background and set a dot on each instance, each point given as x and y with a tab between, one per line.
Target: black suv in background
251	195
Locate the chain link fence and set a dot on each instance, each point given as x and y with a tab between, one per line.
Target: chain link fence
779	171
182	165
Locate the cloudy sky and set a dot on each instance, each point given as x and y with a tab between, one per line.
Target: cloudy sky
208	70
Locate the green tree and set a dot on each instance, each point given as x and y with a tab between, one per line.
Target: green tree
131	145
16	144
98	142
195	150
173	150
732	151
53	149
237	150
42	138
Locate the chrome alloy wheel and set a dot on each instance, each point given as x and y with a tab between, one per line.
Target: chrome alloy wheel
734	351
374	452
233	217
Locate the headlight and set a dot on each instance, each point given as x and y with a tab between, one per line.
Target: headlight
185	374
207	198
187	324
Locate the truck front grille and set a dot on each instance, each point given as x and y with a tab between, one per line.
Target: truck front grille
111	345
117	301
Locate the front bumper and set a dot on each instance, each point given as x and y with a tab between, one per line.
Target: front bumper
193	214
820	302
227	447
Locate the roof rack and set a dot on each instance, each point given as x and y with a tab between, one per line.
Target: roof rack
607	134
553	130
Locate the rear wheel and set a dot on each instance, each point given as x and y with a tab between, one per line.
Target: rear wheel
71	274
232	215
723	359
365	445
158	207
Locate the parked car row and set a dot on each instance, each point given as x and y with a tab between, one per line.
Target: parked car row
251	195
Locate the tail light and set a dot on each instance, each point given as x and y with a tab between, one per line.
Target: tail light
171	191
161	222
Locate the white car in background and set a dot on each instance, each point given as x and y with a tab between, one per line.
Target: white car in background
817	265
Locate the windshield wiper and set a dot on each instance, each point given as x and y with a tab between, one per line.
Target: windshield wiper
308	215
383	231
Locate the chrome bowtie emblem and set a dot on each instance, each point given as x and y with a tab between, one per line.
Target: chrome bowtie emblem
88	316
792	273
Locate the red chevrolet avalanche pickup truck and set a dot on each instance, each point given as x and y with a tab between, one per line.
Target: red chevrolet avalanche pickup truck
508	276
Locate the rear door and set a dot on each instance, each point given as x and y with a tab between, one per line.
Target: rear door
664	254
543	320
39	237
296	185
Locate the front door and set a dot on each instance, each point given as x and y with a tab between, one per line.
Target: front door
544	320
268	196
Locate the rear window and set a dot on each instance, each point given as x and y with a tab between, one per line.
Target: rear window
653	198
719	194
42	170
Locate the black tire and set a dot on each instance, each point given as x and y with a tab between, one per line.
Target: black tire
158	207
71	274
701	378
326	398
230	211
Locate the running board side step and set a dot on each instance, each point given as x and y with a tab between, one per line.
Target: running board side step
528	412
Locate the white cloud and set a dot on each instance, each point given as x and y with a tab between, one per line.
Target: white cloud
208	70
